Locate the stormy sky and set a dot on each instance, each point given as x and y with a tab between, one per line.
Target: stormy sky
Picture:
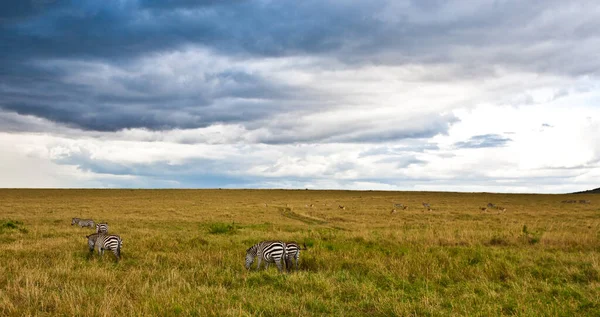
496	96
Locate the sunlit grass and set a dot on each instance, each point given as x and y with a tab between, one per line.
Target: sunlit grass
183	253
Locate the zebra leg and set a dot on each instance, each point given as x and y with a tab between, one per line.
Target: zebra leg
259	262
279	264
297	258
117	253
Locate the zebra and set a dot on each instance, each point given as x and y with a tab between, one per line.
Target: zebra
292	250
490	205
427	206
101	228
400	206
105	242
82	222
270	251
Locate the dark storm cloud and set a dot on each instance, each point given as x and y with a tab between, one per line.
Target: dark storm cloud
535	36
483	141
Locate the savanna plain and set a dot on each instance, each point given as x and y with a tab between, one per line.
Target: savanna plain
183	253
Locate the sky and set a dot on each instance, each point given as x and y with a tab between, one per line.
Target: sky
423	95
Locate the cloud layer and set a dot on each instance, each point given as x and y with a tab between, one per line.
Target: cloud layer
425	95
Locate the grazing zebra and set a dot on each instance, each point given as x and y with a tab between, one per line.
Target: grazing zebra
490	205
82	222
427	206
101	228
269	251
104	241
582	201
292	250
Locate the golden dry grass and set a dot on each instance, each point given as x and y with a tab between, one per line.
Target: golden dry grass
183	253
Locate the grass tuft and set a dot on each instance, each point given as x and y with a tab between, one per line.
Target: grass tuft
222	228
12	225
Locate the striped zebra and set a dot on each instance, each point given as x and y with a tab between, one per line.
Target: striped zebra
292	250
104	241
427	206
101	228
269	251
82	222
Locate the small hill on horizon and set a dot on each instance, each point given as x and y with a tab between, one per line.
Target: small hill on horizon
591	191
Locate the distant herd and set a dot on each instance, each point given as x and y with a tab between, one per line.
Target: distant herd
573	201
272	251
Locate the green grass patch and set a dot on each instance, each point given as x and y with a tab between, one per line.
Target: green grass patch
222	228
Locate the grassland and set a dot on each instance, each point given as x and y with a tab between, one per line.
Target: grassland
183	254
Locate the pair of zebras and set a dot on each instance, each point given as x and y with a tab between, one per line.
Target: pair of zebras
101	238
278	252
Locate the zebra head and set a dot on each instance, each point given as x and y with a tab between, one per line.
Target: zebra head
92	241
74	221
250	254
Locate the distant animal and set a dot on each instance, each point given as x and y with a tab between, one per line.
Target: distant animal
584	201
341	207
101	228
501	209
105	241
570	201
483	208
427	206
269	251
292	250
82	222
490	205
400	206
393	211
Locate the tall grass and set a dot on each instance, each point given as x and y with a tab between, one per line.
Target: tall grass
183	254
